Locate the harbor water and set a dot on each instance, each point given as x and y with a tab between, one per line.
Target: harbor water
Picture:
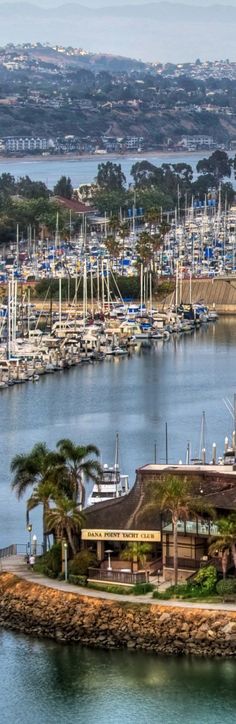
135	396
47	683
54	684
83	170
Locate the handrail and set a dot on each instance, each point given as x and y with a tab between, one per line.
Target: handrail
8	551
20	549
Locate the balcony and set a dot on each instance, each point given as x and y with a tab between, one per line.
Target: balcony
192	527
117	576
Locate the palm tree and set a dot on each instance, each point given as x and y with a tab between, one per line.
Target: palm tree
113	246
33	468
123	233
225	541
136	552
78	467
65	519
175	495
42	495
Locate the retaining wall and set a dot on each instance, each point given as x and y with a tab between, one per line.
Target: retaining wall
67	617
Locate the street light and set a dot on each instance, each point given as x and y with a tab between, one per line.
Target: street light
34	545
109	552
29	528
65	560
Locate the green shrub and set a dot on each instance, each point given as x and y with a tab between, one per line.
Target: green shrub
81	562
53	558
50	563
163	596
141	588
110	588
226	586
77	580
206	579
48	572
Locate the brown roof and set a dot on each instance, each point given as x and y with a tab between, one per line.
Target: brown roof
123	513
72	205
216	484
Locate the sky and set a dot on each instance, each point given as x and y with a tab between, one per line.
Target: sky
166	31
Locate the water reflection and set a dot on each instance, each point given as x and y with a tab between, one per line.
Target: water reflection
54	683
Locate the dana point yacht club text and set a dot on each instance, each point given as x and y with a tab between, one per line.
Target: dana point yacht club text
128	535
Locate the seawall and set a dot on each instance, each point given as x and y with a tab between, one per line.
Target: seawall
68	617
218	293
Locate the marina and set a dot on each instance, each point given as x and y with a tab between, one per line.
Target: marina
134	396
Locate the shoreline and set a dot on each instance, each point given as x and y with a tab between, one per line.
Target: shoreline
97	156
35	609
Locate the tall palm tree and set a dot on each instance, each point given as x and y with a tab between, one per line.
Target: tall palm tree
33	468
225	541
175	495
66	520
136	552
42	494
79	467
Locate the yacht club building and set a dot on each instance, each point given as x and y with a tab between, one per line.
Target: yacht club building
114	523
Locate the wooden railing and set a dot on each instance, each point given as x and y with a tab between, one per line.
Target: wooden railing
115	576
190	564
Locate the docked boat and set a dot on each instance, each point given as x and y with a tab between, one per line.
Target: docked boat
112	484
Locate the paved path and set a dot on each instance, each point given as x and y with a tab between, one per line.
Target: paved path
17	565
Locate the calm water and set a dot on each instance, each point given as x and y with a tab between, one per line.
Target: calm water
45	683
83	171
171	382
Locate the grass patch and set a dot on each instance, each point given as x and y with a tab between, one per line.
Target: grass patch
141	588
111	588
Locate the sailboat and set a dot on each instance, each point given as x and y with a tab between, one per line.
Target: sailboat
112	484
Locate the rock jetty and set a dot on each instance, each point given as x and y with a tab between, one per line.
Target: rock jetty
68	617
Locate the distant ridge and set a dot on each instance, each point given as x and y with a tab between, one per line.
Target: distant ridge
166	31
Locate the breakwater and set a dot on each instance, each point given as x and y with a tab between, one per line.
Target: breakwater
67	617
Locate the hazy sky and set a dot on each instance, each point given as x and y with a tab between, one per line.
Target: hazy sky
155	31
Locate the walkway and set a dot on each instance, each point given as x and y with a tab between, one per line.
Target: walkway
17	565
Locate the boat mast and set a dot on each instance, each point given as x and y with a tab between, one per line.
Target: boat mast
117	463
141	289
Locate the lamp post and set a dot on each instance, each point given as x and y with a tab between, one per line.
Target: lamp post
66	560
29	528
109	552
158	577
34	548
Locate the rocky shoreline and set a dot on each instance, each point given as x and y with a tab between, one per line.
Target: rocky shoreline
70	618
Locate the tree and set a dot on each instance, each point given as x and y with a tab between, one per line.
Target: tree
153	217
113	247
184	171
65	519
175	495
33	469
145	174
78	468
110	176
136	552
225	541
42	495
7	185
144	249
63	188
218	164
32	189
